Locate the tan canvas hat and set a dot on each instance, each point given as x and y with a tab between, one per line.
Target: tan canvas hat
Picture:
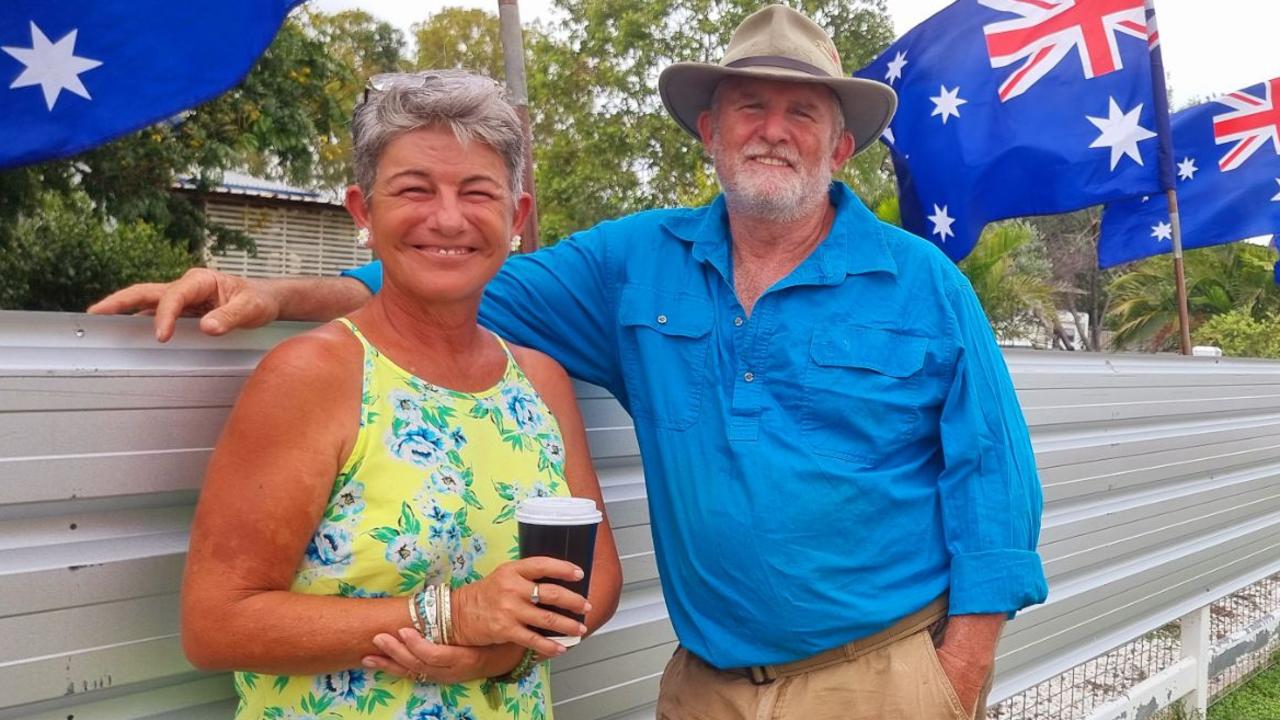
778	43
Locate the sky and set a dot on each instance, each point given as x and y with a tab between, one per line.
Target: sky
1211	47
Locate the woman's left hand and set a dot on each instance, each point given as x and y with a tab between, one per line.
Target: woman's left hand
412	656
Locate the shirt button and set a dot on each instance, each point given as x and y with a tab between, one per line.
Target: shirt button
749	377
662	319
737	322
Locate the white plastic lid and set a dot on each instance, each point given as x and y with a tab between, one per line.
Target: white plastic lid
559	511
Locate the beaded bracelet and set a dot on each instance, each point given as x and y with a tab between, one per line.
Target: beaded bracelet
527	663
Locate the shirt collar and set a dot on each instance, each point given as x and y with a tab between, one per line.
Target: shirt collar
857	243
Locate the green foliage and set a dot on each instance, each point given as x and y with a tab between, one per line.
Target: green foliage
1010	274
1259	699
1239	334
1143	311
460	38
64	257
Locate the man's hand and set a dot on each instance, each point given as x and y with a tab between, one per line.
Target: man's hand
224	301
967	654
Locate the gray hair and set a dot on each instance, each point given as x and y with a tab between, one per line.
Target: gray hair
472	106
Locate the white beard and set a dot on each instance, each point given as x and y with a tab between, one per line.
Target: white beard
761	192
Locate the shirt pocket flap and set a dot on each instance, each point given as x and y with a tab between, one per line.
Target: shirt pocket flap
667	313
887	352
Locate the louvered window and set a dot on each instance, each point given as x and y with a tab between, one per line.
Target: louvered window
292	239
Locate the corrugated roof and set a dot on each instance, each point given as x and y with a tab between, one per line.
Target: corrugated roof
239	183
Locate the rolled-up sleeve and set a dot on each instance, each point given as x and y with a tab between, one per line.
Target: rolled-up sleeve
991	498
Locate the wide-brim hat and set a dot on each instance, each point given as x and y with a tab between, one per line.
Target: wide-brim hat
778	43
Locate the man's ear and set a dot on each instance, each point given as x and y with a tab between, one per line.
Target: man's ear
843	150
705	129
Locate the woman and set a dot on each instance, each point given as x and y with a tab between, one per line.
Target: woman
362	491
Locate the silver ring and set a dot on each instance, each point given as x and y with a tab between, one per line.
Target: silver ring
534	597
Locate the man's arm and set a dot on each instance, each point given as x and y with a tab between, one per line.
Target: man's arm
991	500
226	302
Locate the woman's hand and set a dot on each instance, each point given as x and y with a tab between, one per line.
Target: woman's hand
413	656
499	609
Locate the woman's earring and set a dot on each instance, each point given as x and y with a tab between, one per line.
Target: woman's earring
362	238
515	243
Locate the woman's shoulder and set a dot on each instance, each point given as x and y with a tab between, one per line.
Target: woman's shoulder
326	354
547	375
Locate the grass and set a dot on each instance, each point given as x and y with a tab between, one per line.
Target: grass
1258	699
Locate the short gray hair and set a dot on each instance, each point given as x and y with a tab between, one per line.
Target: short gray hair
472	106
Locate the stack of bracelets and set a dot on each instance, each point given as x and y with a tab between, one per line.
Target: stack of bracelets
431	610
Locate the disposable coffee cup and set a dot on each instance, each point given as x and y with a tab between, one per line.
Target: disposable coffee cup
563	528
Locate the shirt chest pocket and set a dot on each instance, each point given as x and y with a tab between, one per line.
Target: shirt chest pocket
862	392
664	339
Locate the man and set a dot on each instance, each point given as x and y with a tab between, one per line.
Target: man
842	491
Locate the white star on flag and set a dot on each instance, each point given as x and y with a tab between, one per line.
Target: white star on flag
1121	132
942	222
898	62
947	104
52	66
1187	169
1162	231
888	134
1276	197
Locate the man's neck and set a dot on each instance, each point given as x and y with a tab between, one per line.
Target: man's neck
766	250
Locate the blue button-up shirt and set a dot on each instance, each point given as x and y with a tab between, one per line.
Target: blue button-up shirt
815	471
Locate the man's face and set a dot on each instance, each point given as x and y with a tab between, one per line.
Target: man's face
774	144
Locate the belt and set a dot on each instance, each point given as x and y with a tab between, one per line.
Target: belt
924	618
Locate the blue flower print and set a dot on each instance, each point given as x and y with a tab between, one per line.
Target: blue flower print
345	686
421	445
522	406
404	552
330	547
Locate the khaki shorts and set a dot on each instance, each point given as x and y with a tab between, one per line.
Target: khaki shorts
899	681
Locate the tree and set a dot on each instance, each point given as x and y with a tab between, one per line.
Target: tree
1220	279
1010	274
273	121
1239	334
460	38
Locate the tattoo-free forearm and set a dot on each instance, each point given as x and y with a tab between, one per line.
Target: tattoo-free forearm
317	299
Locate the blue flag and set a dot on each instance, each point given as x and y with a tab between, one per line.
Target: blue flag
1227	153
77	73
1019	107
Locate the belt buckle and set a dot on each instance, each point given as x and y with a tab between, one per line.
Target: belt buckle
761	674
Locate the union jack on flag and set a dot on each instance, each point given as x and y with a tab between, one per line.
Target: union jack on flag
1221	199
1253	121
1046	31
1084	132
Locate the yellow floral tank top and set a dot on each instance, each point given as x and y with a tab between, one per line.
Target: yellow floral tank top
428	496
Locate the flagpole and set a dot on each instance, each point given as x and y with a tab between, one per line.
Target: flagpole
1165	155
1180	277
513	62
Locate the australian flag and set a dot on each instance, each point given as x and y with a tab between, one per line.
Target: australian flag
77	73
1227	156
1019	107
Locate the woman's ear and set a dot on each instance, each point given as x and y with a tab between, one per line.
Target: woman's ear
357	205
524	207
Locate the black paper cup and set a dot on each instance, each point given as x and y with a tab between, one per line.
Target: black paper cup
563	528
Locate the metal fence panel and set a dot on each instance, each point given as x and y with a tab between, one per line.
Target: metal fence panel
1161	476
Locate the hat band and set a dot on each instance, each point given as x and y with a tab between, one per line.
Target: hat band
780	62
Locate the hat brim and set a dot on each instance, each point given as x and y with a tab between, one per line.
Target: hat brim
686	90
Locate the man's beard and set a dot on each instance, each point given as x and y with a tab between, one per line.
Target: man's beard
766	193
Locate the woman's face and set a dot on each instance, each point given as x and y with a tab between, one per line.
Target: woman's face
440	216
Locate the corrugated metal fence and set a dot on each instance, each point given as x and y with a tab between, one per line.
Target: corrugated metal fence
1161	476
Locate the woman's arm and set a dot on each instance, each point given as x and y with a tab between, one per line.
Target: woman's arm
266	487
